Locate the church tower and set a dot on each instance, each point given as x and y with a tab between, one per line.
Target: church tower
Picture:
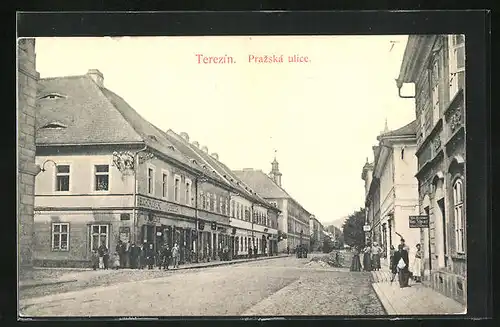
275	172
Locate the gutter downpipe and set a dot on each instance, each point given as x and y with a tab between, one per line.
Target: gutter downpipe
134	212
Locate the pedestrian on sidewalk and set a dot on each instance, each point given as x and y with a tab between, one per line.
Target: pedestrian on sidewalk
150	256
401	266
175	255
417	265
119	250
367	260
356	262
250	252
134	256
166	256
103	255
288	250
95	259
143	255
376	250
392	250
126	255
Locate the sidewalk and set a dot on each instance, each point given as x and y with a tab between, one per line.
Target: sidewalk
414	300
67	275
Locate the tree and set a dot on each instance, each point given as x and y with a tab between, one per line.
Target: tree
352	229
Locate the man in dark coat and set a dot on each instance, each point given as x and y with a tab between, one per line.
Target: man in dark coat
134	256
400	265
166	256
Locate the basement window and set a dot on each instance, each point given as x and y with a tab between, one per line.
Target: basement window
54	125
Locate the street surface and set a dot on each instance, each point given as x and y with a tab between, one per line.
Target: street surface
282	286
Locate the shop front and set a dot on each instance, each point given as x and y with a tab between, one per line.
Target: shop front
214	234
160	222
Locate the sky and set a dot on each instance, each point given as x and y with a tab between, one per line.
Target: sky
320	118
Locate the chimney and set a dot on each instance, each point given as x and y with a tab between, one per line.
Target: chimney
215	156
196	144
96	76
204	149
185	136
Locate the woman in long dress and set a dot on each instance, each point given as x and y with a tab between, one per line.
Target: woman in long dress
367	260
356	262
417	265
400	265
376	250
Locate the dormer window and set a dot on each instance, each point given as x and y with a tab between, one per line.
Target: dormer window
153	137
194	161
171	147
54	125
52	96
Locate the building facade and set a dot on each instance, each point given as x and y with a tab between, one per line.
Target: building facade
316	230
393	193
27	77
108	175
435	64
293	222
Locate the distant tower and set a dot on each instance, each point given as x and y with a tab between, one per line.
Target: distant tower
275	171
386	128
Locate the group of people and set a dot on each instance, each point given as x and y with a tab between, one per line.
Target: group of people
371	258
399	261
134	256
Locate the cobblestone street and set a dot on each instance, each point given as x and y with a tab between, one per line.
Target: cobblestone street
282	286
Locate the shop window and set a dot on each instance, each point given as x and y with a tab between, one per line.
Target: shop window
459	219
62	178
101	177
60	237
99	235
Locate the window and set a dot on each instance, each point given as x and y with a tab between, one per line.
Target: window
456	46
99	234
227	207
60	237
203	200
177	188
125	216
62	178
209	200
435	75
188	192
233	210
101	177
164	184
151	180
458	211
213	206
242	215
223	206
238	210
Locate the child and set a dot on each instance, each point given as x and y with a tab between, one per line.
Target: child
95	259
116	262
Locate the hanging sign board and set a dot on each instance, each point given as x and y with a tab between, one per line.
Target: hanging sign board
418	221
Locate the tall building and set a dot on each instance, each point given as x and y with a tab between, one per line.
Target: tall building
316	230
393	189
27	77
293	223
435	64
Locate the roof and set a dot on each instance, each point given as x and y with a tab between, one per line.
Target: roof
262	183
83	110
222	171
95	115
407	130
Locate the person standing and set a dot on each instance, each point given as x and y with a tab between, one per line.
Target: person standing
356	262
167	256
175	255
133	256
143	255
150	256
126	254
95	260
367	260
376	250
103	255
400	266
417	265
119	250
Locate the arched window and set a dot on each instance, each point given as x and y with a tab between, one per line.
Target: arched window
458	212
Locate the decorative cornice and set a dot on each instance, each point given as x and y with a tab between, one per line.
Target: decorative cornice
454	103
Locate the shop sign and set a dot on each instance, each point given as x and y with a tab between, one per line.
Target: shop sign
419	221
157	205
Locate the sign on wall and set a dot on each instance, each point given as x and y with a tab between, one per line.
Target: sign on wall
366	228
421	221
